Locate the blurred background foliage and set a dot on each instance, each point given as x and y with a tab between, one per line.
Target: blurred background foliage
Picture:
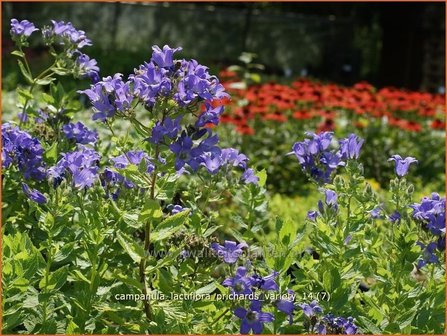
387	44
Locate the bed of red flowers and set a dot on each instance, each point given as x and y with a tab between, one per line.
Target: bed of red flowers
263	118
306	99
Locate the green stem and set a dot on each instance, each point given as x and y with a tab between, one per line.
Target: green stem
46	276
219	317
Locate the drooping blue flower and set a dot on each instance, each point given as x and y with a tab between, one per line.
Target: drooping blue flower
287	306
80	133
112	182
350	147
249	176
311	309
253	319
34	194
266	283
230	251
87	67
402	165
240	283
312	215
395	217
21	149
175	208
210	115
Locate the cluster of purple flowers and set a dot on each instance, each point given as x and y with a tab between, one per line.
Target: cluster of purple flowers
80	133
109	96
61	34
327	324
186	82
65	34
21	149
318	160
242	283
81	165
113	181
431	213
21	30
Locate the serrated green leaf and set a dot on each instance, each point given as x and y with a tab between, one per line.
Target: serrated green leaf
135	251
169	226
55	280
208	289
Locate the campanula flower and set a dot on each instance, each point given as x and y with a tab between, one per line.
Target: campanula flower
429	256
232	157
81	165
133	157
240	283
230	251
311	309
169	128
287	306
22	28
249	176
266	283
253	319
69	35
80	133
87	67
402	165
164	57
210	116
431	212
34	194
350	147
21	149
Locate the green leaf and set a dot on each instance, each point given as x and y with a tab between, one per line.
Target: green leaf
25	72
287	233
72	328
208	289
55	280
18	53
331	279
45	81
25	93
170	225
371	327
135	251
51	153
151	211
64	252
262	177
